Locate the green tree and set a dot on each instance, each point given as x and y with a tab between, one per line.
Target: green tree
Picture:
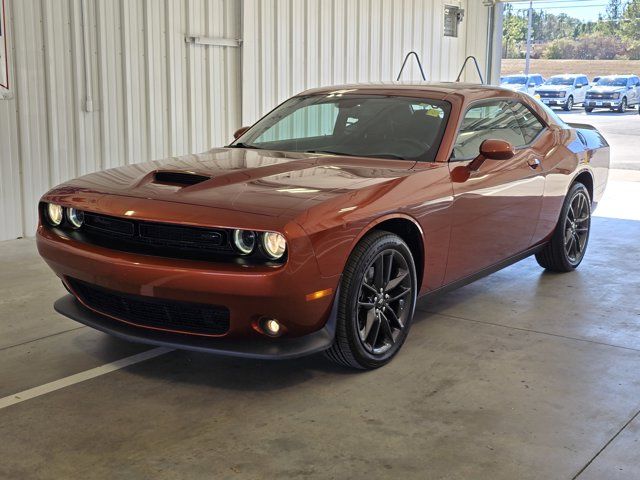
514	32
630	24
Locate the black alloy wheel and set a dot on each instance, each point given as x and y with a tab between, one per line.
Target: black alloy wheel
568	244
382	310
576	227
376	302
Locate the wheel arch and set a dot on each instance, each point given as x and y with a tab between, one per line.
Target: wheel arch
409	230
586	178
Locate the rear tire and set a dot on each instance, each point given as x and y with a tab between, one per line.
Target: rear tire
568	244
376	303
588	109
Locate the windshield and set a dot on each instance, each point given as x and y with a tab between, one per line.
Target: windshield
612	82
356	125
559	81
514	80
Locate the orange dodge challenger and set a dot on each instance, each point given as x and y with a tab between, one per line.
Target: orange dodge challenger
319	226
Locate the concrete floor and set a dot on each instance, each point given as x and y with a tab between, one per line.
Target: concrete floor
521	375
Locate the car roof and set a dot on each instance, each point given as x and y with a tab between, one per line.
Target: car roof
400	87
618	76
568	75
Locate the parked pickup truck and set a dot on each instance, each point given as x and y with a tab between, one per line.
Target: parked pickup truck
522	83
564	90
615	92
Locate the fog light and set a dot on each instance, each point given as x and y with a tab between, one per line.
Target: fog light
271	327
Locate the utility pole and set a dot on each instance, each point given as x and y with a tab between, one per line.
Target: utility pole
528	54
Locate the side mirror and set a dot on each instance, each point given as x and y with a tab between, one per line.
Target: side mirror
489	150
238	133
532	84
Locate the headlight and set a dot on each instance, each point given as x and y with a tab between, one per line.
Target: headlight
562	94
244	240
75	217
616	95
54	214
274	244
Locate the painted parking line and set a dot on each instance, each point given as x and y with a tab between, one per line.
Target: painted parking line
81	377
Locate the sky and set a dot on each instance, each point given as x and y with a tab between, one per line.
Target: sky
583	9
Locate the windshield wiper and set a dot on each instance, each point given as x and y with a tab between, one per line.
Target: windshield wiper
330	152
244	145
367	155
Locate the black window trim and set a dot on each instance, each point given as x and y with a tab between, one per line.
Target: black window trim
510	100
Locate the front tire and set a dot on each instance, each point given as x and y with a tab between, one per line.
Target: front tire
376	303
568	106
588	109
569	242
623	105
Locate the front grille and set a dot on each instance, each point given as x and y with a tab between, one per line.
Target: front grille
600	96
151	238
149	312
550	94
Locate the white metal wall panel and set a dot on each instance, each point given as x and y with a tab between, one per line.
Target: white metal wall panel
153	94
292	45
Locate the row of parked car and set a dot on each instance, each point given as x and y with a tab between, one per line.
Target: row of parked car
614	92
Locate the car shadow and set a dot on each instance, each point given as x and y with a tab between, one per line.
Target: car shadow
221	372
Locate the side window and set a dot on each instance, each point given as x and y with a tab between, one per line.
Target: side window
584	81
491	120
528	122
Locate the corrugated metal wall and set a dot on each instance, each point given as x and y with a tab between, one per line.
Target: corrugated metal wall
292	45
154	95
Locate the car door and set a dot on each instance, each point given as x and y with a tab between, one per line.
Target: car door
582	84
495	210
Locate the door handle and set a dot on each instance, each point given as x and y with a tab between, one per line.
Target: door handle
533	163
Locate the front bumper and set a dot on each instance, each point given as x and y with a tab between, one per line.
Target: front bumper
262	348
248	292
553	101
602	103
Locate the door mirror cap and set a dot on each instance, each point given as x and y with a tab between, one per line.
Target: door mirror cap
492	149
496	150
489	150
238	133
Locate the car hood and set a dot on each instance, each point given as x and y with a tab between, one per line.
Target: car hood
554	88
607	89
253	181
516	87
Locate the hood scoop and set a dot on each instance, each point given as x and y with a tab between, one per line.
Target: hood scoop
182	179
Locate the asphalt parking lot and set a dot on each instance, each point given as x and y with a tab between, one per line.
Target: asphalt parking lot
622	130
523	374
